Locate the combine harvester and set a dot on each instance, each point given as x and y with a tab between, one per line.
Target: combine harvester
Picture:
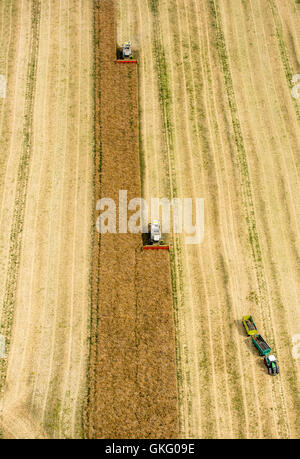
264	349
155	238
127	57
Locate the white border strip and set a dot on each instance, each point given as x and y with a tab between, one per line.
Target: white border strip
2	87
2	347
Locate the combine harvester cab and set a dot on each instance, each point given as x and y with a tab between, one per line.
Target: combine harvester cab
126	55
261	345
249	324
155	238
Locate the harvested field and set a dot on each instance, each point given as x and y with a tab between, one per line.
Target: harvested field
218	122
46	169
133	392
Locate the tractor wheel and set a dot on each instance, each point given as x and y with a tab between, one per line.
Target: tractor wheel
270	371
277	369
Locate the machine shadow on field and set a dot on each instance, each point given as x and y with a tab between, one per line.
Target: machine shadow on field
240	328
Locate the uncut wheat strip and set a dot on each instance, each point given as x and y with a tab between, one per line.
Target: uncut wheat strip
151	103
143	31
146	125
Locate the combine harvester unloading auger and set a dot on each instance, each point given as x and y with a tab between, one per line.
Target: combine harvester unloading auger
155	238
126	54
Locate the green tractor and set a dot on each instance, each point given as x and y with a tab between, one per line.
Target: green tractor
271	363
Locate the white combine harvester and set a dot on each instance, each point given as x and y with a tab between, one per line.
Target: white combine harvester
155	238
126	50
125	54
